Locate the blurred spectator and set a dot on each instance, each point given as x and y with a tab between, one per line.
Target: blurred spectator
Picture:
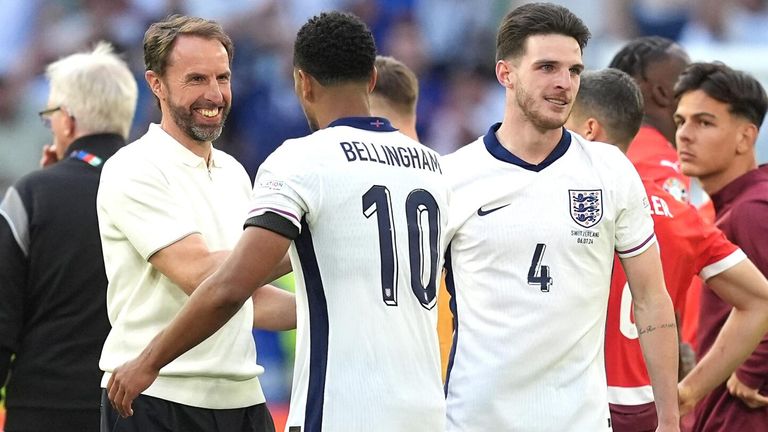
664	18
21	134
471	99
740	21
53	314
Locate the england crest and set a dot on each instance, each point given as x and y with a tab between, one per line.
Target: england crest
586	206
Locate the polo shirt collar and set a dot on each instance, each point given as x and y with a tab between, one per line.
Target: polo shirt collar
168	144
728	194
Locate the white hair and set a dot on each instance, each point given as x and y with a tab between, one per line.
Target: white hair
96	88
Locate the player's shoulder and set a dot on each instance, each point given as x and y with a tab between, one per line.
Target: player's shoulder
300	150
606	160
470	150
142	158
460	162
598	151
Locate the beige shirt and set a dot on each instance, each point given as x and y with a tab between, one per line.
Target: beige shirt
153	193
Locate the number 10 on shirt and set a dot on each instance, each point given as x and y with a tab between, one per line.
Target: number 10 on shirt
420	208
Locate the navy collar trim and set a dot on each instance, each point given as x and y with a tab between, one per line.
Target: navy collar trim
499	152
375	124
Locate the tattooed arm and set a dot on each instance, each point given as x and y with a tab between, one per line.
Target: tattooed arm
655	320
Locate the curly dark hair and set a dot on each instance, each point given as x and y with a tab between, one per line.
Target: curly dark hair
537	19
635	56
335	48
740	90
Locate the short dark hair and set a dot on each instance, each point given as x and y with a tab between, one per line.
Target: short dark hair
614	99
396	83
740	90
335	48
159	39
537	19
635	56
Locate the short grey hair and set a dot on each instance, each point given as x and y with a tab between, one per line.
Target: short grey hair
96	88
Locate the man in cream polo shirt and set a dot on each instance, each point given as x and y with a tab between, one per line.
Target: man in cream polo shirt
170	207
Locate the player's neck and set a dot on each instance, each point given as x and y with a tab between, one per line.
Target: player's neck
665	127
341	102
406	125
717	181
527	141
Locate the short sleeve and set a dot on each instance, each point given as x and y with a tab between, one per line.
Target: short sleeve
139	202
717	254
284	187
634	225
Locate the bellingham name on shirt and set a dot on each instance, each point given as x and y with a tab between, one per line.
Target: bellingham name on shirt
408	157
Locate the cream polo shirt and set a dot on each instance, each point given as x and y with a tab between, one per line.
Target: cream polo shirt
154	192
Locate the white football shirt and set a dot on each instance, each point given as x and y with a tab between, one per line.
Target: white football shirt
529	266
370	208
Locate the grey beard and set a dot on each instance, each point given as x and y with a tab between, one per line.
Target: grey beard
204	134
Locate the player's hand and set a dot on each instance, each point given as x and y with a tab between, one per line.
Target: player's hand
686	401
672	427
49	156
127	382
748	395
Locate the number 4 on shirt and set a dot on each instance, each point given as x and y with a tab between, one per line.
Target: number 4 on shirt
539	274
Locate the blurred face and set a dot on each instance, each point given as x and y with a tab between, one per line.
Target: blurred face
198	96
545	79
708	136
61	125
662	76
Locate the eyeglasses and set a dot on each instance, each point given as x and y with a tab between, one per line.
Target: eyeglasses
45	115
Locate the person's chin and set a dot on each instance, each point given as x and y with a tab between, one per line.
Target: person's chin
689	169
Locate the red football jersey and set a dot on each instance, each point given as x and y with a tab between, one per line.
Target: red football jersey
655	159
689	325
688	246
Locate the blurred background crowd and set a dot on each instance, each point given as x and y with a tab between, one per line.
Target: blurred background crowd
448	43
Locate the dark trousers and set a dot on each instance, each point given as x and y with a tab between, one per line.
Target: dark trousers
157	415
47	419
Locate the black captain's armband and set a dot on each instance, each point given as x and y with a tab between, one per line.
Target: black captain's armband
275	223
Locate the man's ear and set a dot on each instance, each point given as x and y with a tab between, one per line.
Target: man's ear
307	85
504	73
154	82
662	96
592	129
70	125
372	79
746	137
